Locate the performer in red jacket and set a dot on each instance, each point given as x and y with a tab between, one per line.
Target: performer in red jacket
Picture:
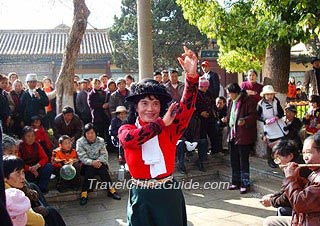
149	142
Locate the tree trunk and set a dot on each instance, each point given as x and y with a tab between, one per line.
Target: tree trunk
277	66
64	83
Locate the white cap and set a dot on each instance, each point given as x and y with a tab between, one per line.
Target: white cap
31	77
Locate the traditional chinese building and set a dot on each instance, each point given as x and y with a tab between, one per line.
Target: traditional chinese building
41	51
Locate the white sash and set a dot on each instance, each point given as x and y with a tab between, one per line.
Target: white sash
152	155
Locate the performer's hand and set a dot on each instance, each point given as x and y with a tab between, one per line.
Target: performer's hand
188	61
170	115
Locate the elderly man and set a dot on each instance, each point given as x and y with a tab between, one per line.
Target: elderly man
68	123
302	193
165	76
82	102
212	77
175	87
33	101
312	78
117	98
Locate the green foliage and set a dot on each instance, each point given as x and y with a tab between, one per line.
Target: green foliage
170	32
245	28
238	61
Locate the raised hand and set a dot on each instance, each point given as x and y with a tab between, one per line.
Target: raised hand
188	61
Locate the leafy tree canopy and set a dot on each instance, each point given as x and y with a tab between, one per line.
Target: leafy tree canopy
245	28
170	32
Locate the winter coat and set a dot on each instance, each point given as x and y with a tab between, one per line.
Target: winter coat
5	111
304	195
96	98
83	106
73	129
32	106
117	99
310	79
246	134
175	93
88	152
292	91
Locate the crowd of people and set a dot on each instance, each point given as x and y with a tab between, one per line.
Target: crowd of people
163	115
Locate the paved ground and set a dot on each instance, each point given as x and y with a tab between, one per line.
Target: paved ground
204	208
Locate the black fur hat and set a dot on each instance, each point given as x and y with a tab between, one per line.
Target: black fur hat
149	87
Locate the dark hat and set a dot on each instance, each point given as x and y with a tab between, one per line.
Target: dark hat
149	87
314	59
34	118
291	108
67	109
85	80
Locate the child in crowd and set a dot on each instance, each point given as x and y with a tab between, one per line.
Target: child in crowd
116	122
292	92
312	117
301	96
41	135
63	155
222	112
293	125
270	112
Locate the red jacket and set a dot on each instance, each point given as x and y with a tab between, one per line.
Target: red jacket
292	90
42	137
32	154
132	138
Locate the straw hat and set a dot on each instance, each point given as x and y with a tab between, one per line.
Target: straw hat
268	89
121	109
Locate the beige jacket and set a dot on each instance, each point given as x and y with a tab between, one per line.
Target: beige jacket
310	82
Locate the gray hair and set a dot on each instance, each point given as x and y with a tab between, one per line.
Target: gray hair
8	142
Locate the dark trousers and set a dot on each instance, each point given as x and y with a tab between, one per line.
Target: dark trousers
44	177
102	131
90	172
217	142
207	128
270	144
239	156
48	120
284	211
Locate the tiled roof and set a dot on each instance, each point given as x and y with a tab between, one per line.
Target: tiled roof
51	42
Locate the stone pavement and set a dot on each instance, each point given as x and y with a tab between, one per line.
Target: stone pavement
204	207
